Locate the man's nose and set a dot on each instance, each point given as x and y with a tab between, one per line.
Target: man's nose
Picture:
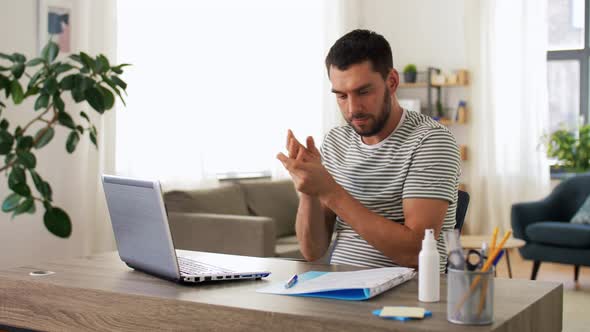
354	105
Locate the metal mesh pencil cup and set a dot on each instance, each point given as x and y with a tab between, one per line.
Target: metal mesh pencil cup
470	297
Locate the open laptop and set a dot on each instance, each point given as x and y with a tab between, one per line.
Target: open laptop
140	224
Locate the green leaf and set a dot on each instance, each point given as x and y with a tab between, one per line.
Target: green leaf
119	82
25	206
77	95
80	129
11	202
31	91
6	141
63	67
35	62
76	58
17	92
95	99
84	115
17	70
41	102
58	222
92	133
43	136
108	98
50	51
67	83
50	86
24	142
113	86
6	56
102	64
118	69
17	175
65	120
22	189
18	131
27	159
42	186
19	57
73	139
58	103
34	79
87	61
9	158
4	124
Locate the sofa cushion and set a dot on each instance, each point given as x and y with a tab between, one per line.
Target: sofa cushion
561	234
583	214
275	199
227	199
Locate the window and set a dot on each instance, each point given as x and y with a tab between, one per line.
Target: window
567	63
215	85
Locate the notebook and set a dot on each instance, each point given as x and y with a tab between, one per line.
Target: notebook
355	285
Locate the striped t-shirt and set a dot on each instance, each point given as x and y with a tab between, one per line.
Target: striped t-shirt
420	159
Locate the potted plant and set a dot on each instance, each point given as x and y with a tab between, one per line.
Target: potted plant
410	73
88	79
571	149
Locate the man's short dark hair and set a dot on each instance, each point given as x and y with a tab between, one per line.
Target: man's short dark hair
358	46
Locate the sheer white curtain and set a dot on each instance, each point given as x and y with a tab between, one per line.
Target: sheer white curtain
510	109
215	85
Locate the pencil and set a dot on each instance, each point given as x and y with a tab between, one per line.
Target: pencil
493	242
485	268
482	294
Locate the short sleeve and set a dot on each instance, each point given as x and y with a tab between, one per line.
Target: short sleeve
435	167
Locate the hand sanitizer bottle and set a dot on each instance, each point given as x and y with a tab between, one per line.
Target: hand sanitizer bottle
428	269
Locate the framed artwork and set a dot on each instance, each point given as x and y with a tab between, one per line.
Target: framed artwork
56	22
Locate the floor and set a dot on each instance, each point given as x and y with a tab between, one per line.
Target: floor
576	297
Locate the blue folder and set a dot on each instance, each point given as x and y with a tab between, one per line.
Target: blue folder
350	294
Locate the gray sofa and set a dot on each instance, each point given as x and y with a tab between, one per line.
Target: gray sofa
253	218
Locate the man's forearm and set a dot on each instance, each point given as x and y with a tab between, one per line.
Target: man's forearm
398	242
313	230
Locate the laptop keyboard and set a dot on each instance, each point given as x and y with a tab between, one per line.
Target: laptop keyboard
192	267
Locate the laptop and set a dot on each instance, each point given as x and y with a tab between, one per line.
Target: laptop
144	241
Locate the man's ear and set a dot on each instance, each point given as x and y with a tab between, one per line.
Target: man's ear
392	80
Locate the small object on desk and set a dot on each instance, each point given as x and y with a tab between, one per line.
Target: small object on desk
40	273
402	313
456	258
428	269
291	281
353	285
484	252
473	261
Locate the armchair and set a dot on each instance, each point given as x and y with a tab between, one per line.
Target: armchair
545	227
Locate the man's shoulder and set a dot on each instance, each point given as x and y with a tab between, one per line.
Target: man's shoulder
421	126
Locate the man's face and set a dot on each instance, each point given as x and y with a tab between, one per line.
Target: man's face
363	97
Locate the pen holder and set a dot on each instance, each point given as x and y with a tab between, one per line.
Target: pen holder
470	297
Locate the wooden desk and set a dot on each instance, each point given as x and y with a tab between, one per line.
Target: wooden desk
101	293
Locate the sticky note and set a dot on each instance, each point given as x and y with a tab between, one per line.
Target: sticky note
410	312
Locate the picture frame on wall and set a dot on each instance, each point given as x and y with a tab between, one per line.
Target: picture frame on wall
56	21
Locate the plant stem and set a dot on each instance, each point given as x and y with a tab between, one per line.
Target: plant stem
37	118
7	166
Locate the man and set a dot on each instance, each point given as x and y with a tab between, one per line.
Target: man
384	179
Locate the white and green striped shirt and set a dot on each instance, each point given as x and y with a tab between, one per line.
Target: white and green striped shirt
420	159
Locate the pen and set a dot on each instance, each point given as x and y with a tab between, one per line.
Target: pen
291	281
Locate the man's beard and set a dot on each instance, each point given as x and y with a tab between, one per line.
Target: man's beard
378	123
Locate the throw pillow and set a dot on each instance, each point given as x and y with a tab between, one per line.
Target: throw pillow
583	214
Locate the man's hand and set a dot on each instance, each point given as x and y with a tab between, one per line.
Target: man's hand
304	165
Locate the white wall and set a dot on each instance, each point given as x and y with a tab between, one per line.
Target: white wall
25	239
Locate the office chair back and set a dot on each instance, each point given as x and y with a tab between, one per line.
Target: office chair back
462	204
